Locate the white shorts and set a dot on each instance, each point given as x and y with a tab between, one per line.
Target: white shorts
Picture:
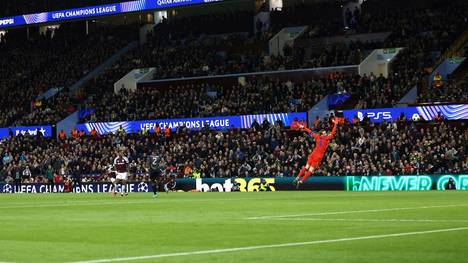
112	179
122	176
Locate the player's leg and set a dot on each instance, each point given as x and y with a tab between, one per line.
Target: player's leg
307	174
301	173
303	170
117	182
124	190
155	186
312	162
114	186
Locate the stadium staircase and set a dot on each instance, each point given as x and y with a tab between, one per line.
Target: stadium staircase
455	47
101	68
460	75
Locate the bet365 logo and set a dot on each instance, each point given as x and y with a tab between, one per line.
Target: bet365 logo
252	185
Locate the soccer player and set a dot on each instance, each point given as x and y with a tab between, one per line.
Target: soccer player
154	164
170	184
110	173
121	167
315	158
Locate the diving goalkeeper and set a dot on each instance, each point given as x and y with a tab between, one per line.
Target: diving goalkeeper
315	158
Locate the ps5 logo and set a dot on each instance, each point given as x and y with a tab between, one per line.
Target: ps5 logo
384	115
9	21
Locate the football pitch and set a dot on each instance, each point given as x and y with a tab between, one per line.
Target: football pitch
236	227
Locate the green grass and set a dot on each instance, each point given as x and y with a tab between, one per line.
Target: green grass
73	227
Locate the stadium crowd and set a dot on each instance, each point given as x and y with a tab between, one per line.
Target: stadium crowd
265	150
54	59
449	92
258	95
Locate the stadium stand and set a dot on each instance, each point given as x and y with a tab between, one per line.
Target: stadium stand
180	48
258	95
266	150
51	60
407	72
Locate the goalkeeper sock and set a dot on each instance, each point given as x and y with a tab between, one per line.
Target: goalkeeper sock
301	173
306	175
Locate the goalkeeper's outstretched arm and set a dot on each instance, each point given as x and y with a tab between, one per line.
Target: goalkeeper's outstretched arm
333	132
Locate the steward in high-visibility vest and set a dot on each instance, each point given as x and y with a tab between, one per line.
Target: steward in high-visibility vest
121	131
74	133
62	135
437	81
196	174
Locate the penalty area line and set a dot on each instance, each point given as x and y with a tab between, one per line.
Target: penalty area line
356	211
315	242
372	220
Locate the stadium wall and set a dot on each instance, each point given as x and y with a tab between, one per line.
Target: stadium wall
378	62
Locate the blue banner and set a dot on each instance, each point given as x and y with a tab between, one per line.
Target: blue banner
95	11
450	112
214	123
27	130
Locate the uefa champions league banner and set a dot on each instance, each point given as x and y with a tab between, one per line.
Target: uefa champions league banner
95	11
27	130
214	123
450	112
83	188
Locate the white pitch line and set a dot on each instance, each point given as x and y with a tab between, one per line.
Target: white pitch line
371	220
356	211
227	250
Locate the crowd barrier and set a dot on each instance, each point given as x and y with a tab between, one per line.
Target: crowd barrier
343	183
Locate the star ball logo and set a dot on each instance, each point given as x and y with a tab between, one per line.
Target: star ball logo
7	188
142	187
